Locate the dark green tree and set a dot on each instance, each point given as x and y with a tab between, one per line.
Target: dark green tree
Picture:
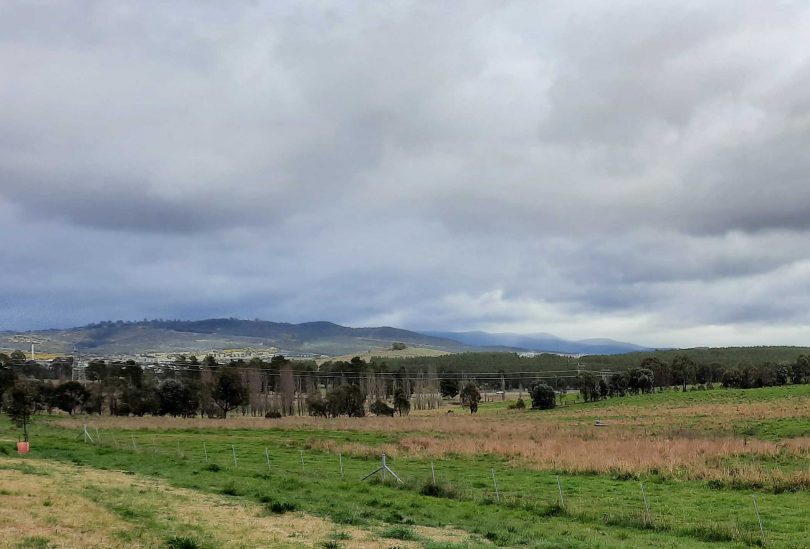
402	402
228	392
470	397
346	399
683	370
96	370
69	396
448	387
800	370
316	405
588	385
7	378
20	405
543	397
176	399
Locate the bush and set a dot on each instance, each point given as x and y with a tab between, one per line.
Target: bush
437	491
543	397
281	507
272	414
519	405
213	467
402	403
470	396
380	408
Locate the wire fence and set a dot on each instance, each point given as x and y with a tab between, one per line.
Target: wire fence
614	502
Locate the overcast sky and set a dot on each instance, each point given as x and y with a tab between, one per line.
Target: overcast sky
634	170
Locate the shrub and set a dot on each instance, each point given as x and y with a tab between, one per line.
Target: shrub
470	396
437	491
543	397
281	507
402	403
213	467
380	408
272	414
519	405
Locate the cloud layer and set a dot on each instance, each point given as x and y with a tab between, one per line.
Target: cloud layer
628	170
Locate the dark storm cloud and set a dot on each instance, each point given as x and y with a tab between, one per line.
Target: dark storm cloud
631	170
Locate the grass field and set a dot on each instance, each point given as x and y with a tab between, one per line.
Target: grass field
159	482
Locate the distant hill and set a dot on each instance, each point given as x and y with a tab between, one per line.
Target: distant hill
324	338
327	338
541	343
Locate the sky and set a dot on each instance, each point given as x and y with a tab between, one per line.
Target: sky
632	170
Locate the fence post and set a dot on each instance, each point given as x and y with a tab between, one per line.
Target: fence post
134	448
302	459
759	519
433	473
154	446
559	488
179	451
495	482
233	449
115	441
646	503
205	451
340	458
267	457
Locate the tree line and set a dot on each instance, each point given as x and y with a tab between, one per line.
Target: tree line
190	387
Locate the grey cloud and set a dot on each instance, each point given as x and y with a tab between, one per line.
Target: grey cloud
626	170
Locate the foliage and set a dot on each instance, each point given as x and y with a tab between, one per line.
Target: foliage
543	397
380	408
448	387
20	405
402	404
346	400
316	405
7	378
69	396
228	391
470	397
177	399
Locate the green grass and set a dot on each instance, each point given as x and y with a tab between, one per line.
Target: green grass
35	542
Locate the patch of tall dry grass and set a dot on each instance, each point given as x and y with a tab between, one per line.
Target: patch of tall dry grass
610	451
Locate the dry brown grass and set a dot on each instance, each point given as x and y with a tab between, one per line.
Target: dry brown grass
59	506
607	451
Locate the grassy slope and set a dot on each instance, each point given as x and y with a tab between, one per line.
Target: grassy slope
601	511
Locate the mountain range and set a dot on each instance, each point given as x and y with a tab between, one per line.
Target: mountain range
541	342
322	338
